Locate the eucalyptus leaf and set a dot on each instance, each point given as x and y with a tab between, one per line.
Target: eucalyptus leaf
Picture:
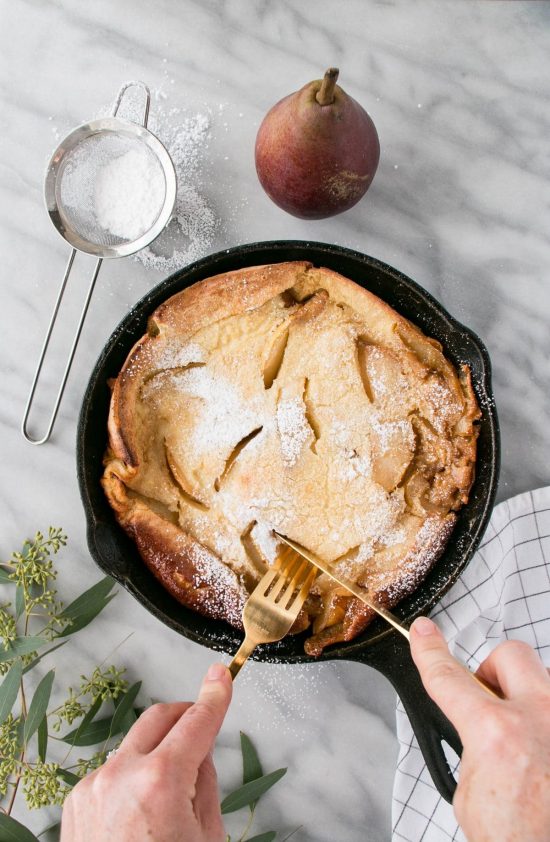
43	738
87	600
269	836
38	658
250	792
20	731
9	690
12	831
39	705
51	832
252	768
5	577
124	706
92	733
69	777
86	616
21	646
19	601
130	718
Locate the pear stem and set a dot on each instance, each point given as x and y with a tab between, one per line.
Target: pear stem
325	94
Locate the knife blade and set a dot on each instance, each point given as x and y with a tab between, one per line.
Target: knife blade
360	593
383	612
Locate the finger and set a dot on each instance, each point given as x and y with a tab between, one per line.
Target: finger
193	735
516	668
151	727
445	679
207	799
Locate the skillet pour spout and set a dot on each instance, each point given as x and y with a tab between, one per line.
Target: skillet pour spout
378	647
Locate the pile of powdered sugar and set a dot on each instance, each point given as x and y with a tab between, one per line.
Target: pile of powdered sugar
129	194
111	188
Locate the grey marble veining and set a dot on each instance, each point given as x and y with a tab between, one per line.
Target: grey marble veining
458	92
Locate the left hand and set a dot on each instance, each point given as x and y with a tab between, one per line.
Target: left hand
161	784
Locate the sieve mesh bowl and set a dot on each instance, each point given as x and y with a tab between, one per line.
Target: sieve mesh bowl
82	162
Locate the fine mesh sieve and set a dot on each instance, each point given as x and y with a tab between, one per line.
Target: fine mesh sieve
81	193
86	165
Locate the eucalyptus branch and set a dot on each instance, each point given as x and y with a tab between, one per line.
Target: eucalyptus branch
40	779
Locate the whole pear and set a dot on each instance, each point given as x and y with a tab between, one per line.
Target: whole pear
317	150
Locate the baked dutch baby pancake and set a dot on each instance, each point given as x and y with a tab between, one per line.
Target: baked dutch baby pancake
287	397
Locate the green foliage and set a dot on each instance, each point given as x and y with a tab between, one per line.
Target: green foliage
102	704
42	786
9	751
255	784
12	831
10	689
34	618
38	706
249	793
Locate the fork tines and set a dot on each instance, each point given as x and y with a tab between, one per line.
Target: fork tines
292	574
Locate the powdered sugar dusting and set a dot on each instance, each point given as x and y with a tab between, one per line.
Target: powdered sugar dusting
175	355
267	542
294	429
444	407
222	416
429	542
210	571
387	431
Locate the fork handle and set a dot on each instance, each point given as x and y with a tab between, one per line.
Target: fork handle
245	650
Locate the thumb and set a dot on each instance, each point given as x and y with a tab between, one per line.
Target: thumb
447	681
197	729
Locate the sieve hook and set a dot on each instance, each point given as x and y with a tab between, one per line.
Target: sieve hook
84	310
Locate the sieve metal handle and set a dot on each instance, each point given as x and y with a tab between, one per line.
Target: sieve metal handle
53	319
71	352
123	90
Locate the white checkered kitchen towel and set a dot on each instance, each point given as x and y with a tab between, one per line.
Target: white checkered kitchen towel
503	594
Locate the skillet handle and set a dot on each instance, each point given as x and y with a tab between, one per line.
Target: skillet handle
392	657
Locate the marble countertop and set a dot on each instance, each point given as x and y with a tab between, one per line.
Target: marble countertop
458	92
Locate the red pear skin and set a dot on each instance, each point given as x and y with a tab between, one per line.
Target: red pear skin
316	160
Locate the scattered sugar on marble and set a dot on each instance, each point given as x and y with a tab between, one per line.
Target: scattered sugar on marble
194	223
290	691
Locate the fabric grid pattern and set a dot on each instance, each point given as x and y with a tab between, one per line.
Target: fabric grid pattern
503	594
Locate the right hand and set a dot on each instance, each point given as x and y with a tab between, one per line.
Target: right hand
503	792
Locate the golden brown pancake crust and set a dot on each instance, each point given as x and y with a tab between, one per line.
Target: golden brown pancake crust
287	397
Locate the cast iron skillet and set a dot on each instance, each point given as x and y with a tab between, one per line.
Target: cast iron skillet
379	646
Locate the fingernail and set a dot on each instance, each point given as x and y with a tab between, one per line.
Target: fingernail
216	672
424	626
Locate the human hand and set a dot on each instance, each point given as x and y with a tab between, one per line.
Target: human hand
502	792
161	784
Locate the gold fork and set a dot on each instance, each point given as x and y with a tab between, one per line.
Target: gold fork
274	604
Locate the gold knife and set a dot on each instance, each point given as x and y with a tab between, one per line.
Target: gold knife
361	594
